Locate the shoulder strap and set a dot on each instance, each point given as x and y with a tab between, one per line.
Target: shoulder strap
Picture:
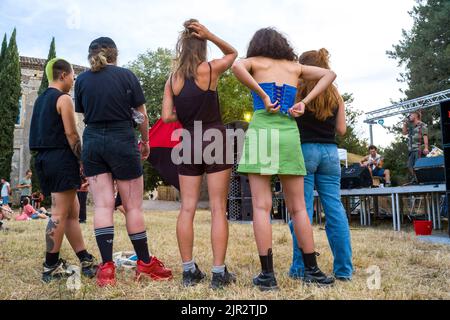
210	75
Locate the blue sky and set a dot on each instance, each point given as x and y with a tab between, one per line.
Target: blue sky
356	32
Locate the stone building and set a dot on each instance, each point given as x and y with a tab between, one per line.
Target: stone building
32	70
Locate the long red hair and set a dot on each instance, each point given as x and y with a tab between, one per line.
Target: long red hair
326	103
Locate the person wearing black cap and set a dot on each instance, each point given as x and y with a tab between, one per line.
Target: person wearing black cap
53	135
108	95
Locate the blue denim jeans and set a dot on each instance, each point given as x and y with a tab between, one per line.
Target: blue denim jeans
324	172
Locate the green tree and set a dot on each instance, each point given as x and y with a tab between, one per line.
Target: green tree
51	55
424	51
153	69
350	141
395	160
10	92
235	99
3	50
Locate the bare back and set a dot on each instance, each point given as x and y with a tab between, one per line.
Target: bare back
278	71
202	79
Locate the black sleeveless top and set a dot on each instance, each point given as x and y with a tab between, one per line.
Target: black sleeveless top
313	130
194	104
47	128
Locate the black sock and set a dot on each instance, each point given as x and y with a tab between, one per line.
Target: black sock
105	238
267	262
309	259
51	258
139	241
83	255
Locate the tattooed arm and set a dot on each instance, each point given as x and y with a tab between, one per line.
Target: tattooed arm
66	110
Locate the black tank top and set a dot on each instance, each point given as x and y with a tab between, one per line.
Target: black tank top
194	104
47	128
313	130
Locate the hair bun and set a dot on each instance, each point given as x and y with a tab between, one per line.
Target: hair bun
324	54
188	31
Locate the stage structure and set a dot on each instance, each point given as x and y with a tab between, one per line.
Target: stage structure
406	107
425	102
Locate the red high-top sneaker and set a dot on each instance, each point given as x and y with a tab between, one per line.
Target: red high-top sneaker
155	270
106	274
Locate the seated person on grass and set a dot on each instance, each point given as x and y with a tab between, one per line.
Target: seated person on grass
30	213
375	162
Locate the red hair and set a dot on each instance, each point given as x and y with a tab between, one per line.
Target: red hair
326	103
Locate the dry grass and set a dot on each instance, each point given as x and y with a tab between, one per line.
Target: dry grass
409	269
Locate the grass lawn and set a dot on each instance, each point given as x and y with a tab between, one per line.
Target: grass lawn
409	269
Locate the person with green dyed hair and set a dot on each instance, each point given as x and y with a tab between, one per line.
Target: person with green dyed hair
53	135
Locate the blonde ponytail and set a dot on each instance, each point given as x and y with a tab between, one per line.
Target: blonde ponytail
99	59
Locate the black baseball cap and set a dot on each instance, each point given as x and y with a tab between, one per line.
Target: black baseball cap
102	43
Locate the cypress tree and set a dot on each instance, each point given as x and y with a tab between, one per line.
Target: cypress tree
51	55
10	92
3	51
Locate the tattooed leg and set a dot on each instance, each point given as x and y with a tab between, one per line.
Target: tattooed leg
54	233
50	234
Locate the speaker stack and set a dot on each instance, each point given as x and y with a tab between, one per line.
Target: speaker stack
445	129
430	170
239	204
355	177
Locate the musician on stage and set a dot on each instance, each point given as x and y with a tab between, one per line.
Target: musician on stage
417	133
375	162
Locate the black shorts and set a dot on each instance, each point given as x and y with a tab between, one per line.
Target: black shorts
58	170
190	166
111	148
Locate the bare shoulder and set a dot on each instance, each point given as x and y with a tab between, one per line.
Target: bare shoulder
203	68
260	63
65	99
296	67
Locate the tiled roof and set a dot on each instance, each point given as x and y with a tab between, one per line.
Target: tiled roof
38	64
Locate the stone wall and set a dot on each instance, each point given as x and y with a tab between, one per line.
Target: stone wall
32	73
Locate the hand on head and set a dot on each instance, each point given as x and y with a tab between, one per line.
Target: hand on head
199	30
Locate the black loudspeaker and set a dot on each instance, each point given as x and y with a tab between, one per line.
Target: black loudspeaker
245	187
430	170
355	177
445	129
247	210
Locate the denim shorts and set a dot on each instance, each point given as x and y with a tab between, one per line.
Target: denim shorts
378	172
111	147
5	200
58	170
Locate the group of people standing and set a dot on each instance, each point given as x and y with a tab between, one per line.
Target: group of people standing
289	93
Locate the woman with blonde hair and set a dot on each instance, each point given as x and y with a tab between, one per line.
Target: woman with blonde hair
192	89
108	95
324	118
